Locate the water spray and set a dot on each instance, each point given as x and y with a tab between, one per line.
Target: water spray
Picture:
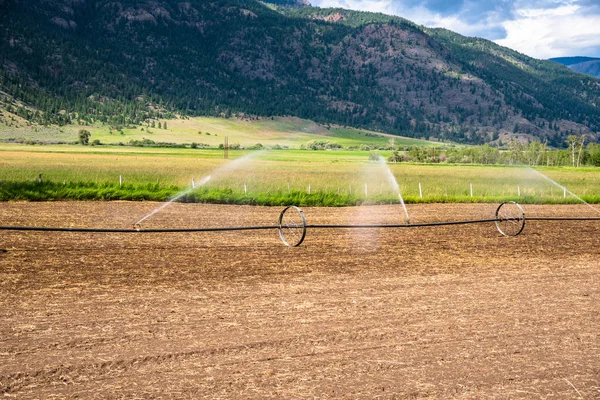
202	182
565	190
392	179
227	167
404	207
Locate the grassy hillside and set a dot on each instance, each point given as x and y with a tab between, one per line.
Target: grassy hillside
289	132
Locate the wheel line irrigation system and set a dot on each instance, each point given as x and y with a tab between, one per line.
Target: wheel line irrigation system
292	227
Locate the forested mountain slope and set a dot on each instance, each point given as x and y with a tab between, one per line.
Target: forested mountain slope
125	61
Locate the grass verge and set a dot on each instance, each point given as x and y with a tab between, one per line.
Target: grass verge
82	190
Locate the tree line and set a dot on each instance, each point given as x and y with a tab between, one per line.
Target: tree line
578	154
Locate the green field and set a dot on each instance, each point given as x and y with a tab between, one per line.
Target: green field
301	177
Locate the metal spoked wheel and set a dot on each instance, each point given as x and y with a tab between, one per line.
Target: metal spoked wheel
510	218
292	226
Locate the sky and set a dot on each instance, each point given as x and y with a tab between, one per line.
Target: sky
539	28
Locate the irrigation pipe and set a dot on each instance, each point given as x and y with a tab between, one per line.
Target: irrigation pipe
241	228
266	227
135	230
411	225
563	218
510	221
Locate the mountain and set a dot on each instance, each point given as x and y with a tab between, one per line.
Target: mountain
568	61
585	65
590	68
122	62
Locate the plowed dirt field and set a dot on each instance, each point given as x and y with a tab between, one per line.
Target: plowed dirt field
439	312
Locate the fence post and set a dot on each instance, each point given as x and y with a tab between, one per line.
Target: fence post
471	187
193	184
245	189
120	180
420	191
519	191
366	190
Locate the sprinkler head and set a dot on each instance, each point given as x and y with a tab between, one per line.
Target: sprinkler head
137	227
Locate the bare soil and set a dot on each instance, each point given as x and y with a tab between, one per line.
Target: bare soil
441	312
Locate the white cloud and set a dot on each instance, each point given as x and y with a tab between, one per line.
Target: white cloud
564	10
552	33
453	22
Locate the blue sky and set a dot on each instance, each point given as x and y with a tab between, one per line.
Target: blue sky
538	28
